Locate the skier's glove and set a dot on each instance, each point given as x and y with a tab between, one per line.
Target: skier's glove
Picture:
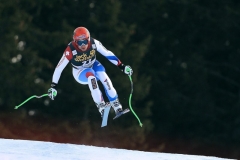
126	69
52	92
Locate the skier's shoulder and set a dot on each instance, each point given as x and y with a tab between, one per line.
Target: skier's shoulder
68	51
95	41
98	44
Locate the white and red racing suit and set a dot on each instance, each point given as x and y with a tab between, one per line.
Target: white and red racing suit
86	69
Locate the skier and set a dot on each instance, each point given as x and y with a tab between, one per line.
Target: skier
87	70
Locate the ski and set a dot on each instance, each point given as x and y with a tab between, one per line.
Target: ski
105	115
121	113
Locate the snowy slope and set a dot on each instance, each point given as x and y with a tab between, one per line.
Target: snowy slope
36	150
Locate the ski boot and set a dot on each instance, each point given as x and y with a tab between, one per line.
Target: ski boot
101	106
118	108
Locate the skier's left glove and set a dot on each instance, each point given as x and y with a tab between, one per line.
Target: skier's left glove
52	92
126	69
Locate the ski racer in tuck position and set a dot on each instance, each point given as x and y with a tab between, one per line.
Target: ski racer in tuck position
87	70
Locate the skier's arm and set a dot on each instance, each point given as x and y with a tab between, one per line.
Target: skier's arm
52	92
112	58
58	70
106	53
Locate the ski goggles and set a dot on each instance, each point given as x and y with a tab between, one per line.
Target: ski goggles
82	42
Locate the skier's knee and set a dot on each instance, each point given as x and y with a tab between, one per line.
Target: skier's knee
90	74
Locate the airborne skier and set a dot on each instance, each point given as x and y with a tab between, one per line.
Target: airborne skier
87	70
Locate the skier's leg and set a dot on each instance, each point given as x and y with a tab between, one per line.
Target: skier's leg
87	76
110	91
108	86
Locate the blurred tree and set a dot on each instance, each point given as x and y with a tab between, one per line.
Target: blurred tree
20	66
184	55
193	57
47	34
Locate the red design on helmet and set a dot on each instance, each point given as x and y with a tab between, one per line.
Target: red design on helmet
81	33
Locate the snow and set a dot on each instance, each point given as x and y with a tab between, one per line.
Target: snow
37	150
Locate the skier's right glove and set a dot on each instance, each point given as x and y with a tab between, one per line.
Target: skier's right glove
126	69
52	92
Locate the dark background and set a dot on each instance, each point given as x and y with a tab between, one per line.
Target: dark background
185	56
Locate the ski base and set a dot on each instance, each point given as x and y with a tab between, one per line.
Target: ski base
105	115
121	113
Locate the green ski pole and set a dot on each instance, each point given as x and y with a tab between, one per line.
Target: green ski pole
130	99
34	96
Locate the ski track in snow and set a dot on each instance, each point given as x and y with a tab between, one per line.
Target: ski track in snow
37	150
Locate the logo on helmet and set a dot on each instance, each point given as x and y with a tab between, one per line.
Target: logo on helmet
83	36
